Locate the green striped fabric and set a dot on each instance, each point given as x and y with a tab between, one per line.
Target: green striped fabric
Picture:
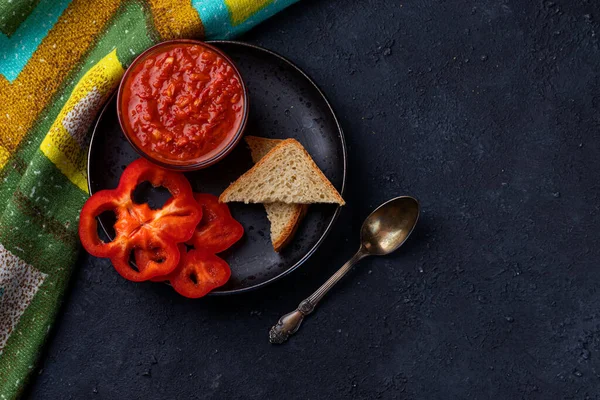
60	60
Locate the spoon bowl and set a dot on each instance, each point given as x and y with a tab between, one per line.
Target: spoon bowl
388	227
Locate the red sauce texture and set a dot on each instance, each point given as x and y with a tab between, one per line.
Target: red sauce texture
182	103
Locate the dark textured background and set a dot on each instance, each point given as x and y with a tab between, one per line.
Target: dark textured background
487	112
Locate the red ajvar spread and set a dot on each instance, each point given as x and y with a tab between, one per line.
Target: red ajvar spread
182	102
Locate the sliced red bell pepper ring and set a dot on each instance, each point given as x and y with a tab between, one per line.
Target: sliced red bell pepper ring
152	235
198	273
217	230
163	278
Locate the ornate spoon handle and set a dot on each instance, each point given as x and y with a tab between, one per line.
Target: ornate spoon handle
289	323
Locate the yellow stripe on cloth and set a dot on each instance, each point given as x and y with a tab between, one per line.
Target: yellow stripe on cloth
175	20
4	155
22	100
65	143
241	10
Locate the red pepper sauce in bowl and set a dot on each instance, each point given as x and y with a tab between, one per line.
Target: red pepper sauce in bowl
182	103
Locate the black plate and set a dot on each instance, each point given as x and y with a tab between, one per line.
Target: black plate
284	103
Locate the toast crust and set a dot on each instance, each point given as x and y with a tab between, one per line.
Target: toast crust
290	229
287	142
257	149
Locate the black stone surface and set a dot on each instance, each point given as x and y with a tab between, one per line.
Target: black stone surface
487	111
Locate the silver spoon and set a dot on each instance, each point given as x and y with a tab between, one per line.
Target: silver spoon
386	229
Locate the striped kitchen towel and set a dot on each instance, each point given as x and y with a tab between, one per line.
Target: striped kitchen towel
60	60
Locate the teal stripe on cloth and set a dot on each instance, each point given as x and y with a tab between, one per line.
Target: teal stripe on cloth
19	47
217	22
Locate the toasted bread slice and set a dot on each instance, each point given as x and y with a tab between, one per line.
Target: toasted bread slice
259	147
286	174
284	218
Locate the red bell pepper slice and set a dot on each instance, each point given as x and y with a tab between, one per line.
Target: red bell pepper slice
198	273
218	230
152	235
